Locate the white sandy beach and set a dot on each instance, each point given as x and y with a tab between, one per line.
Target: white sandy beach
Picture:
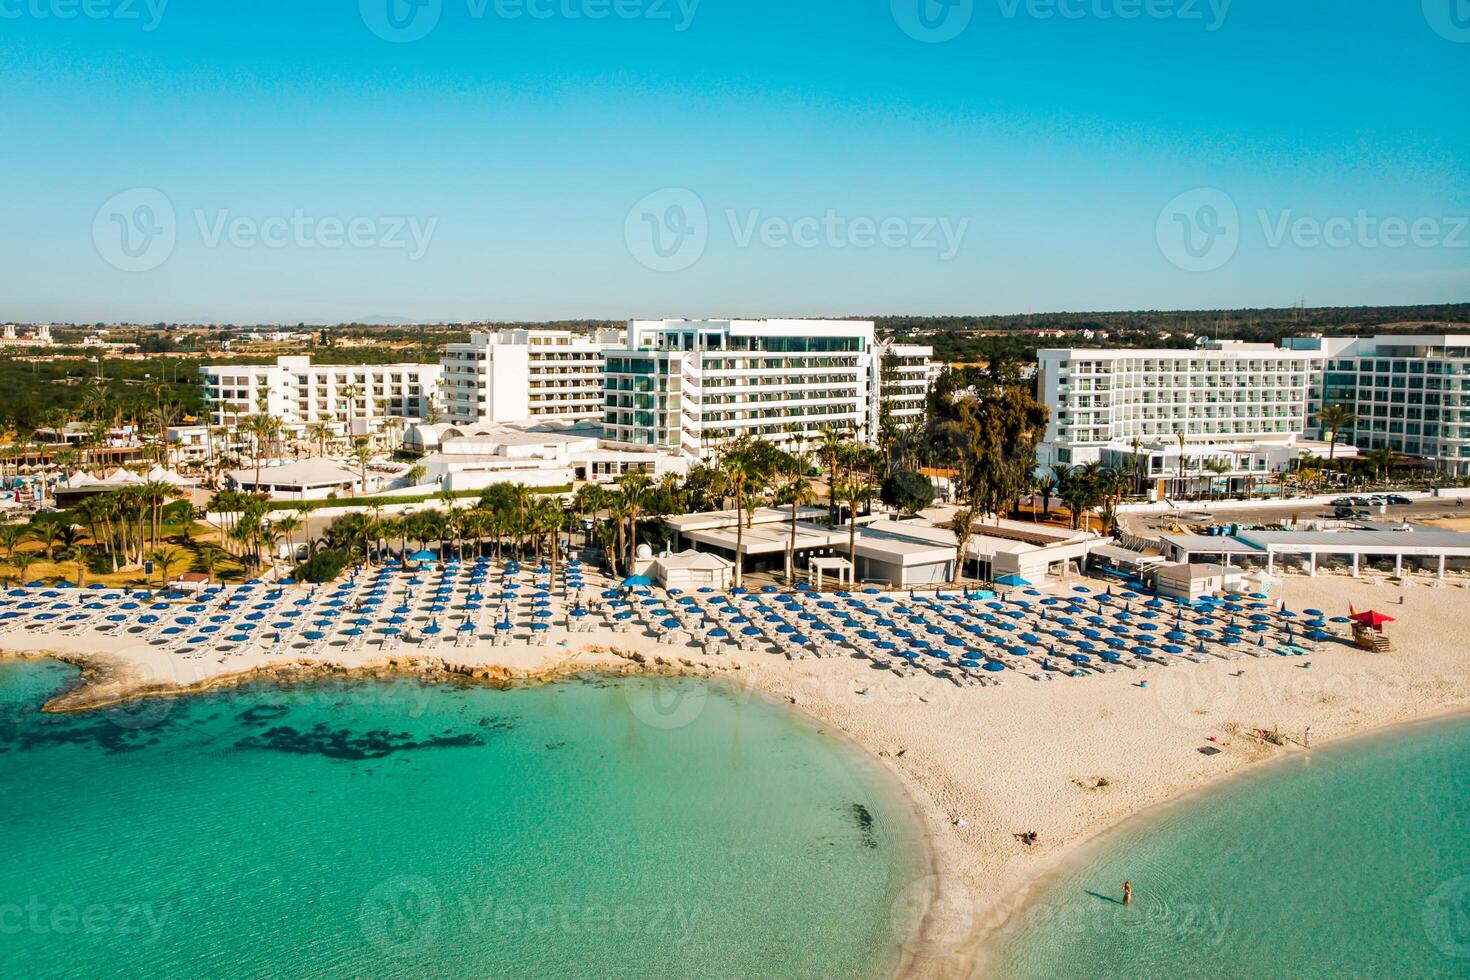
1067	759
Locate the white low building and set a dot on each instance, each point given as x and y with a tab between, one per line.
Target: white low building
691	570
548	454
902	554
304	479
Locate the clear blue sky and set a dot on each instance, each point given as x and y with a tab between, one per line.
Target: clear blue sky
517	145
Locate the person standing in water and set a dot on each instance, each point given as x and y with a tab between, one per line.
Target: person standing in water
1127	893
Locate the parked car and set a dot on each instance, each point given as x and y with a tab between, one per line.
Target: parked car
1362	514
1398	499
1361	502
1343	502
1342	513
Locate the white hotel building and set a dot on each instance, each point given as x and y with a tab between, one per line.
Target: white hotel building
1244	405
905	374
689	386
1408	392
359	397
520	375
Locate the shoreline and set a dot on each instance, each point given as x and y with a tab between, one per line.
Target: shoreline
1074	760
103	681
1014	907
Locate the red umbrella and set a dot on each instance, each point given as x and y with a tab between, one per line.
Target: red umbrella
1370	618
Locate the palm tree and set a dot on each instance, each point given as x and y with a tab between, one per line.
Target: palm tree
617	509
854	492
1047	487
963	525
46	528
363	454
1333	419
1380	460
795	491
167	558
350	393
319	431
739	467
287	527
635	488
22	560
261	428
1182	486
1218	467
832	449
12	535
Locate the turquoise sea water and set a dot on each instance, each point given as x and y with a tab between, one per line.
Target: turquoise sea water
1352	863
629	828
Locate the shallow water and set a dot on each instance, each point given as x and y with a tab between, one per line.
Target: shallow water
1354	862
625	828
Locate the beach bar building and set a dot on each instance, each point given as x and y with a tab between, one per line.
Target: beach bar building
690	570
899	553
1431	549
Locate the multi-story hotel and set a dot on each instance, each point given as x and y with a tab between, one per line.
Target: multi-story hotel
905	373
355	398
1409	393
518	375
692	385
1225	410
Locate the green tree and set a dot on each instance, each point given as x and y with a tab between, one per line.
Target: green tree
1333	419
907	492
